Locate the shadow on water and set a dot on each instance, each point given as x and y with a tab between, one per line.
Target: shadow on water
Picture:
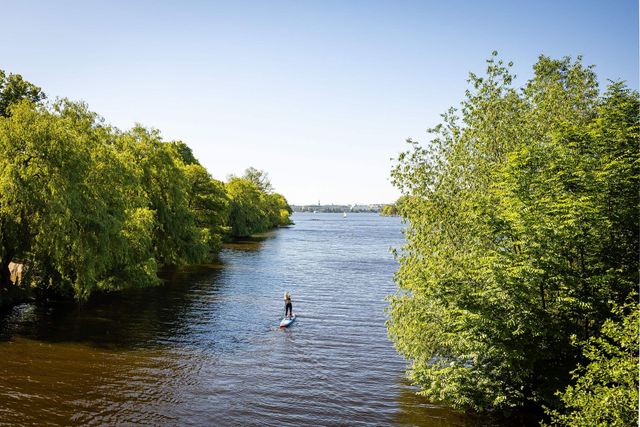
251	243
99	362
131	319
204	348
430	415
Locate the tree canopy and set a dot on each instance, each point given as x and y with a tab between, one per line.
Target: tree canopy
14	88
260	178
606	386
254	208
88	207
522	232
389	210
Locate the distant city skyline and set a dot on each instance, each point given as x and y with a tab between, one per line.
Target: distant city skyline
321	95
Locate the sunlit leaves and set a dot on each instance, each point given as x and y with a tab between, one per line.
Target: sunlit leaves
605	392
252	209
87	207
522	225
13	89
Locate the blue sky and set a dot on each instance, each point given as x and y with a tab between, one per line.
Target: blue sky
320	94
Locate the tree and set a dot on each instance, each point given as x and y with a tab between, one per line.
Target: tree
605	392
177	239
522	226
254	207
90	208
13	88
209	203
259	178
68	203
278	210
389	210
248	214
185	153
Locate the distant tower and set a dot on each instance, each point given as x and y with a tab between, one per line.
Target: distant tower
318	202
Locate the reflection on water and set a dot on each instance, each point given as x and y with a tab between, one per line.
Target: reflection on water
205	347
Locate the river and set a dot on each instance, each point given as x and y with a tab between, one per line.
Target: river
205	347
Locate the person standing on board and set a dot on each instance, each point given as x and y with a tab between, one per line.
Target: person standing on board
288	308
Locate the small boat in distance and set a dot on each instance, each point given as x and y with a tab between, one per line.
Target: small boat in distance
344	214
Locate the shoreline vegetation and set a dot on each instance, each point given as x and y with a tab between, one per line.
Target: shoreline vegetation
86	207
389	210
518	279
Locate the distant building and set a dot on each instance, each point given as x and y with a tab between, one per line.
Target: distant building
374	208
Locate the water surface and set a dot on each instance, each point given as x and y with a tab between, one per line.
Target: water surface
205	348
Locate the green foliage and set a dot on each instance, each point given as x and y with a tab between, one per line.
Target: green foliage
259	178
245	215
606	389
389	210
13	89
177	240
522	218
185	153
88	207
209	203
254	208
67	200
278	209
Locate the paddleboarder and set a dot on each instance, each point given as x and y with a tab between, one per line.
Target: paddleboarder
288	308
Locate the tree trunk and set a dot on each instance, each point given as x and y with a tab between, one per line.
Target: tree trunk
5	273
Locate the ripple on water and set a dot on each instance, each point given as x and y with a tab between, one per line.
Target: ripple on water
205	348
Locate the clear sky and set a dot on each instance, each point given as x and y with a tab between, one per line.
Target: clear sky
320	94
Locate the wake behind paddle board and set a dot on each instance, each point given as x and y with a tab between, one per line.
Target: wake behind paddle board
286	322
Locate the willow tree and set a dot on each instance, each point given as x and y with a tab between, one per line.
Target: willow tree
13	89
253	206
88	207
247	208
206	199
522	232
70	203
278	209
210	205
176	238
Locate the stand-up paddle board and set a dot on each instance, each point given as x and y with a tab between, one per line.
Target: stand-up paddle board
287	321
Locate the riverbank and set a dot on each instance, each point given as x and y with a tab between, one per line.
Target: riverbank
17	294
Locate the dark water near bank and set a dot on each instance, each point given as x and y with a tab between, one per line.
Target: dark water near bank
204	349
